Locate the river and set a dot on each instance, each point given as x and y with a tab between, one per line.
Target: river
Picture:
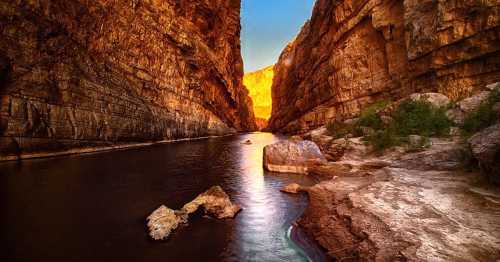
93	207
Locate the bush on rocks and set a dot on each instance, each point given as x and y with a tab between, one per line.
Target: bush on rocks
419	117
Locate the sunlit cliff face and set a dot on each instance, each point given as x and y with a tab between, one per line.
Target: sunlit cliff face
259	85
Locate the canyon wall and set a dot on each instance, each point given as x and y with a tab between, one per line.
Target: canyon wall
354	52
98	73
259	85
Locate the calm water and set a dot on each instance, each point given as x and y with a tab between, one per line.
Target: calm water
93	207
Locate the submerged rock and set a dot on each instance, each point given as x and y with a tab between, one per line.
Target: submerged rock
291	156
214	201
248	142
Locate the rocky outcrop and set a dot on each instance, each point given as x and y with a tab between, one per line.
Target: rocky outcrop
405	215
292	156
214	201
259	85
403	207
98	73
352	53
485	147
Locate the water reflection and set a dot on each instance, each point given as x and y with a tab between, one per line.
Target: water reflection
92	207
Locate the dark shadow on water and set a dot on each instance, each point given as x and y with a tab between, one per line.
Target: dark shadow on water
93	207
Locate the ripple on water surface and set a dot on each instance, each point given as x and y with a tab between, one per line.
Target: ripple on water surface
93	207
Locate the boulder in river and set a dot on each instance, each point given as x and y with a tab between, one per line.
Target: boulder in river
291	156
162	222
214	201
293	188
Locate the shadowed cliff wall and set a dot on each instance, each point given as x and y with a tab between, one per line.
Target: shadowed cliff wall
98	73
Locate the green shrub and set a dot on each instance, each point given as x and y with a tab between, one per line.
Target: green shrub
421	118
411	118
369	116
483	116
383	139
424	142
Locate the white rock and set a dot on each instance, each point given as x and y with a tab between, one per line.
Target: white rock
291	156
472	103
436	99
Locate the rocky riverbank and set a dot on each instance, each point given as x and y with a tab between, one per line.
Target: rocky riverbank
423	199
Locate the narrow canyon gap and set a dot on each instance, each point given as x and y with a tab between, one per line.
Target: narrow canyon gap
267	28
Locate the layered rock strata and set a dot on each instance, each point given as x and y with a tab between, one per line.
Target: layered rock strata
352	53
405	215
403	206
79	74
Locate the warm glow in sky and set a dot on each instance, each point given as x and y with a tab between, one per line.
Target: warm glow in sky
268	26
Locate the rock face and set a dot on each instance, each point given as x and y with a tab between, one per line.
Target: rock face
405	215
259	85
404	207
352	53
485	147
291	156
214	201
95	73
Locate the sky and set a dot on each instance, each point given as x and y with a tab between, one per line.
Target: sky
268	26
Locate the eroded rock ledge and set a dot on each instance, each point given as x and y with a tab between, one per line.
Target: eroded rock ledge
373	209
419	200
88	74
352	53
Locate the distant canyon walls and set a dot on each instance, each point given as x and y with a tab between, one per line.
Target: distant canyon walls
259	85
354	52
98	73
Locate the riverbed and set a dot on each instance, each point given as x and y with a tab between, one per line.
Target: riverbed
93	207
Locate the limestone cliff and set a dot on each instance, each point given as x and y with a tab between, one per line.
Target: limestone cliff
352	53
259	85
98	73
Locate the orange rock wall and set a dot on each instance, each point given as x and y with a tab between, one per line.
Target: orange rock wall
259	85
354	52
99	73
